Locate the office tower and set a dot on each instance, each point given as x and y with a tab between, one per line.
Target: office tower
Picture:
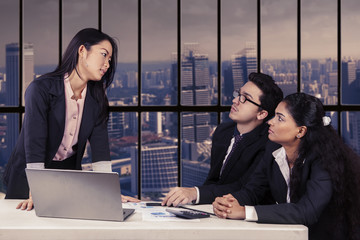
348	72
2	84
28	66
195	76
351	129
155	122
315	70
194	173
333	83
243	63
357	80
159	170
12	74
12	97
116	125
195	126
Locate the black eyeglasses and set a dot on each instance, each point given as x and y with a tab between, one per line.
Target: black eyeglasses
243	98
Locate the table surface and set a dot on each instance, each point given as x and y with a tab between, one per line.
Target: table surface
17	224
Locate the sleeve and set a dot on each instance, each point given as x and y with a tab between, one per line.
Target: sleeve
35	123
250	214
258	186
102	166
99	141
310	206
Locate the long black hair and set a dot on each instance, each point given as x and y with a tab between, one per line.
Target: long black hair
89	37
322	142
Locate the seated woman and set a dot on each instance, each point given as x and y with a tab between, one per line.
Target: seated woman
309	171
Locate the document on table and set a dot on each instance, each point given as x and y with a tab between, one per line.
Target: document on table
155	214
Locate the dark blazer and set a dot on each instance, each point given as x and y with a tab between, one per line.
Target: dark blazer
239	167
43	129
313	208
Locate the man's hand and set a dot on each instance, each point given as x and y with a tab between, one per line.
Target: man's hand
125	199
180	195
26	204
228	207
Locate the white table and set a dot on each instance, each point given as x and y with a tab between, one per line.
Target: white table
17	224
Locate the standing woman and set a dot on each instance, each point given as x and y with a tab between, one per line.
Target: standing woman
312	175
63	110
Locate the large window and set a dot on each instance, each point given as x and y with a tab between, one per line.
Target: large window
179	61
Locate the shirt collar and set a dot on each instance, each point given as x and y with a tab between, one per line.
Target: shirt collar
236	132
280	159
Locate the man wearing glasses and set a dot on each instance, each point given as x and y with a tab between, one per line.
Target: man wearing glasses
237	146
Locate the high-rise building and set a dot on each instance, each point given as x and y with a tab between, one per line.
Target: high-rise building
12	74
357	80
243	63
116	125
348	72
195	76
12	97
155	122
28	67
159	170
351	129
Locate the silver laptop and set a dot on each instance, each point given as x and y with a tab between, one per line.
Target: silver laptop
76	194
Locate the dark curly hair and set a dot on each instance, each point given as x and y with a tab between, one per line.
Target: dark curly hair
271	93
342	163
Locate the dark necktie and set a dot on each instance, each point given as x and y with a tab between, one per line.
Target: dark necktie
236	144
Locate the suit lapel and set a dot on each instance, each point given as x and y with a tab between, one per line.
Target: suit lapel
57	105
244	143
88	119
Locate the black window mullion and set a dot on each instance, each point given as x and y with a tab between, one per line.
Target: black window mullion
219	51
60	30
21	38
258	35
179	88
339	65
100	15
139	98
219	72
298	45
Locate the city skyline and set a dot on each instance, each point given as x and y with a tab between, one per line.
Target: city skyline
239	26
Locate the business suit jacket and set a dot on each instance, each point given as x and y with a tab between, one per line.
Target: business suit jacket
43	130
314	208
239	167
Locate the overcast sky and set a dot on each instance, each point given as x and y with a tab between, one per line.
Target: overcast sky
199	24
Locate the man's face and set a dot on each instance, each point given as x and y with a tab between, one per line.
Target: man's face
246	112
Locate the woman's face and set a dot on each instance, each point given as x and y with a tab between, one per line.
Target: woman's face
282	127
96	61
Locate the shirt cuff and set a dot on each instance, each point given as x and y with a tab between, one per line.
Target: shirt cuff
250	214
35	165
197	196
102	166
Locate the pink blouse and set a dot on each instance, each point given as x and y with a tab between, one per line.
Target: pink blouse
74	111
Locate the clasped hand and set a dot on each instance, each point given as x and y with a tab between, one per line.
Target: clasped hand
228	207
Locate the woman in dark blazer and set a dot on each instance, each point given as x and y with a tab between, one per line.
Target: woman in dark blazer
311	174
63	110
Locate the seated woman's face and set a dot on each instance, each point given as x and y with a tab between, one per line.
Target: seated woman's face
282	127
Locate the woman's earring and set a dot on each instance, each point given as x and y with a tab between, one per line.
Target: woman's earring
298	136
